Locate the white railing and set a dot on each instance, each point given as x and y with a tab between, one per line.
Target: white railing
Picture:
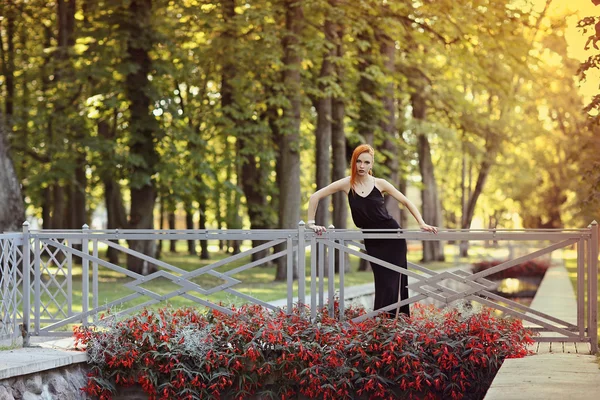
36	285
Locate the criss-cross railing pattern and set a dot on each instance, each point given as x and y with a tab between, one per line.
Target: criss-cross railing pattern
53	254
10	285
40	268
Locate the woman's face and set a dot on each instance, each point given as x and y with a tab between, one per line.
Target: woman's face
364	163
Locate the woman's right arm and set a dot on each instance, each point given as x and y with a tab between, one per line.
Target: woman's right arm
313	202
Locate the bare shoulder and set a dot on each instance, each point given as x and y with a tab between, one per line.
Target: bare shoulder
382	184
342	184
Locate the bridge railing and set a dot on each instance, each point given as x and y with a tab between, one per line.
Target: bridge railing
40	269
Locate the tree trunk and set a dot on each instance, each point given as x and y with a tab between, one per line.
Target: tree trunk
432	209
161	225
189	225
8	64
171	219
368	117
253	184
12	213
323	128
338	144
229	107
388	124
59	207
77	195
204	254
143	127
289	145
113	199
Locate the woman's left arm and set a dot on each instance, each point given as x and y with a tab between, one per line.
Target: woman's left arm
395	193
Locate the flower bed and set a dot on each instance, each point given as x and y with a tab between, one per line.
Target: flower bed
532	268
255	353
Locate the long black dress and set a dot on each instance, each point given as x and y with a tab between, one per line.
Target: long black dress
370	213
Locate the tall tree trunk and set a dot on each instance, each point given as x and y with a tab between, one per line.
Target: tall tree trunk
229	107
59	207
388	123
338	139
432	209
368	117
171	219
289	144
78	196
338	142
113	199
189	225
143	126
204	254
161	225
8	62
12	213
324	119
253	184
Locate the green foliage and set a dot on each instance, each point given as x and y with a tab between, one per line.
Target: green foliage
486	70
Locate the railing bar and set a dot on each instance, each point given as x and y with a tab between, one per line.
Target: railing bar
313	277
290	275
581	286
593	292
95	279
331	277
374	313
15	288
509	311
255	263
103	263
69	293
301	269
36	285
345	249
85	278
207	303
251	299
214	265
523	307
321	268
342	280
519	260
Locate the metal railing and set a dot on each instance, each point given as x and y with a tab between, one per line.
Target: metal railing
37	280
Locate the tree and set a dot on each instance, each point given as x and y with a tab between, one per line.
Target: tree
144	130
12	213
289	138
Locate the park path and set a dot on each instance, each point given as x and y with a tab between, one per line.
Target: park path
557	370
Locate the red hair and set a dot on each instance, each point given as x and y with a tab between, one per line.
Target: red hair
363	148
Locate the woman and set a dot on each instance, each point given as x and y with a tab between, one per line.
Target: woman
365	196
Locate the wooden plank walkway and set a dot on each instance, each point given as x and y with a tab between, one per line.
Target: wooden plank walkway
558	370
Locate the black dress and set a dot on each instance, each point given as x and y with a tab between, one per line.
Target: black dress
370	213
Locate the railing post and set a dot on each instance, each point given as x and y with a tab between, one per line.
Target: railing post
593	288
85	271
301	268
26	285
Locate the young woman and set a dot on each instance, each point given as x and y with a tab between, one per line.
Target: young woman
365	197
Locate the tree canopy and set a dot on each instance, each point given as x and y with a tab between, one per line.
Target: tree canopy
235	111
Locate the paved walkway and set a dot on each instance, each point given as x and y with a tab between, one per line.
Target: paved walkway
559	370
44	355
